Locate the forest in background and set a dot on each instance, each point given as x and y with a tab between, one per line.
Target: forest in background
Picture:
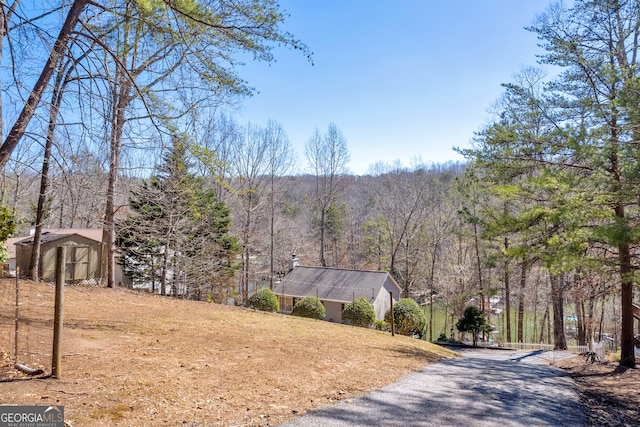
125	128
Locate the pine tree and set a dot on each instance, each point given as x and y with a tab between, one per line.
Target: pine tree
178	231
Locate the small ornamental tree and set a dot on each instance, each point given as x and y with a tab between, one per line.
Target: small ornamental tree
473	321
309	307
408	317
359	313
264	300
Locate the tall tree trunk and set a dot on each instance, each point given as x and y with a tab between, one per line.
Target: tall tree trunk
627	341
627	344
548	326
20	126
56	100
3	31
121	91
153	275
479	266
272	214
542	323
557	300
580	327
431	283
245	276
590	323
523	282
507	293
165	270
601	323
246	251
323	226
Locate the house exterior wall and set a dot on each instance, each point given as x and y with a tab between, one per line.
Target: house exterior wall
334	311
286	303
23	258
382	303
82	258
119	277
47	264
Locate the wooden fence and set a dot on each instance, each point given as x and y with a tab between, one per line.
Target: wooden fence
540	346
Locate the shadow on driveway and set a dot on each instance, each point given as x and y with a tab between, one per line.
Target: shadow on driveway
481	388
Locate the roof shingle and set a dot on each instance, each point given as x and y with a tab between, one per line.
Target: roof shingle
332	284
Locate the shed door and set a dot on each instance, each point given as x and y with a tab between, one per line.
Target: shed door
77	265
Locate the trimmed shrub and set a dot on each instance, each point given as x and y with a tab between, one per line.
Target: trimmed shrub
359	313
264	300
381	325
408	318
310	307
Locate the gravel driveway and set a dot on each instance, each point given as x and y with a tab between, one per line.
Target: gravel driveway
483	388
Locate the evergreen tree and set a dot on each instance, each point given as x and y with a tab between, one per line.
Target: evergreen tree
596	44
567	150
473	321
180	230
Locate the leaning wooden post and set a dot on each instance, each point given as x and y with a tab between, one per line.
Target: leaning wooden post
393	322
56	363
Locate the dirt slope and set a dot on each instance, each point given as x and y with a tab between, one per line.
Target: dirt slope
610	394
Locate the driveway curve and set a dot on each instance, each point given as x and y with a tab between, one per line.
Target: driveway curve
482	388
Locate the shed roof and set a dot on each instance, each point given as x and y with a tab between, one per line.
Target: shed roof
89	233
52	234
333	284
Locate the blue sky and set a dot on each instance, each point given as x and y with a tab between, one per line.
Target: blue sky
401	79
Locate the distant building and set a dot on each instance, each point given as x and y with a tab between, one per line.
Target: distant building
336	288
82	256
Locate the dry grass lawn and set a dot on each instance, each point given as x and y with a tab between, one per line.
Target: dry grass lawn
133	359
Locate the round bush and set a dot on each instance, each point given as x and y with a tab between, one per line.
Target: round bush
408	318
264	300
381	325
359	313
309	307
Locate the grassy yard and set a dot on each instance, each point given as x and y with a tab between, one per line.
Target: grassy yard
137	359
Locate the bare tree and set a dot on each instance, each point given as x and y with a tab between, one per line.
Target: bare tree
57	52
402	207
328	159
281	163
63	75
251	166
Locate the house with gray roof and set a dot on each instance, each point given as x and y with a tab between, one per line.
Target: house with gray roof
336	288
